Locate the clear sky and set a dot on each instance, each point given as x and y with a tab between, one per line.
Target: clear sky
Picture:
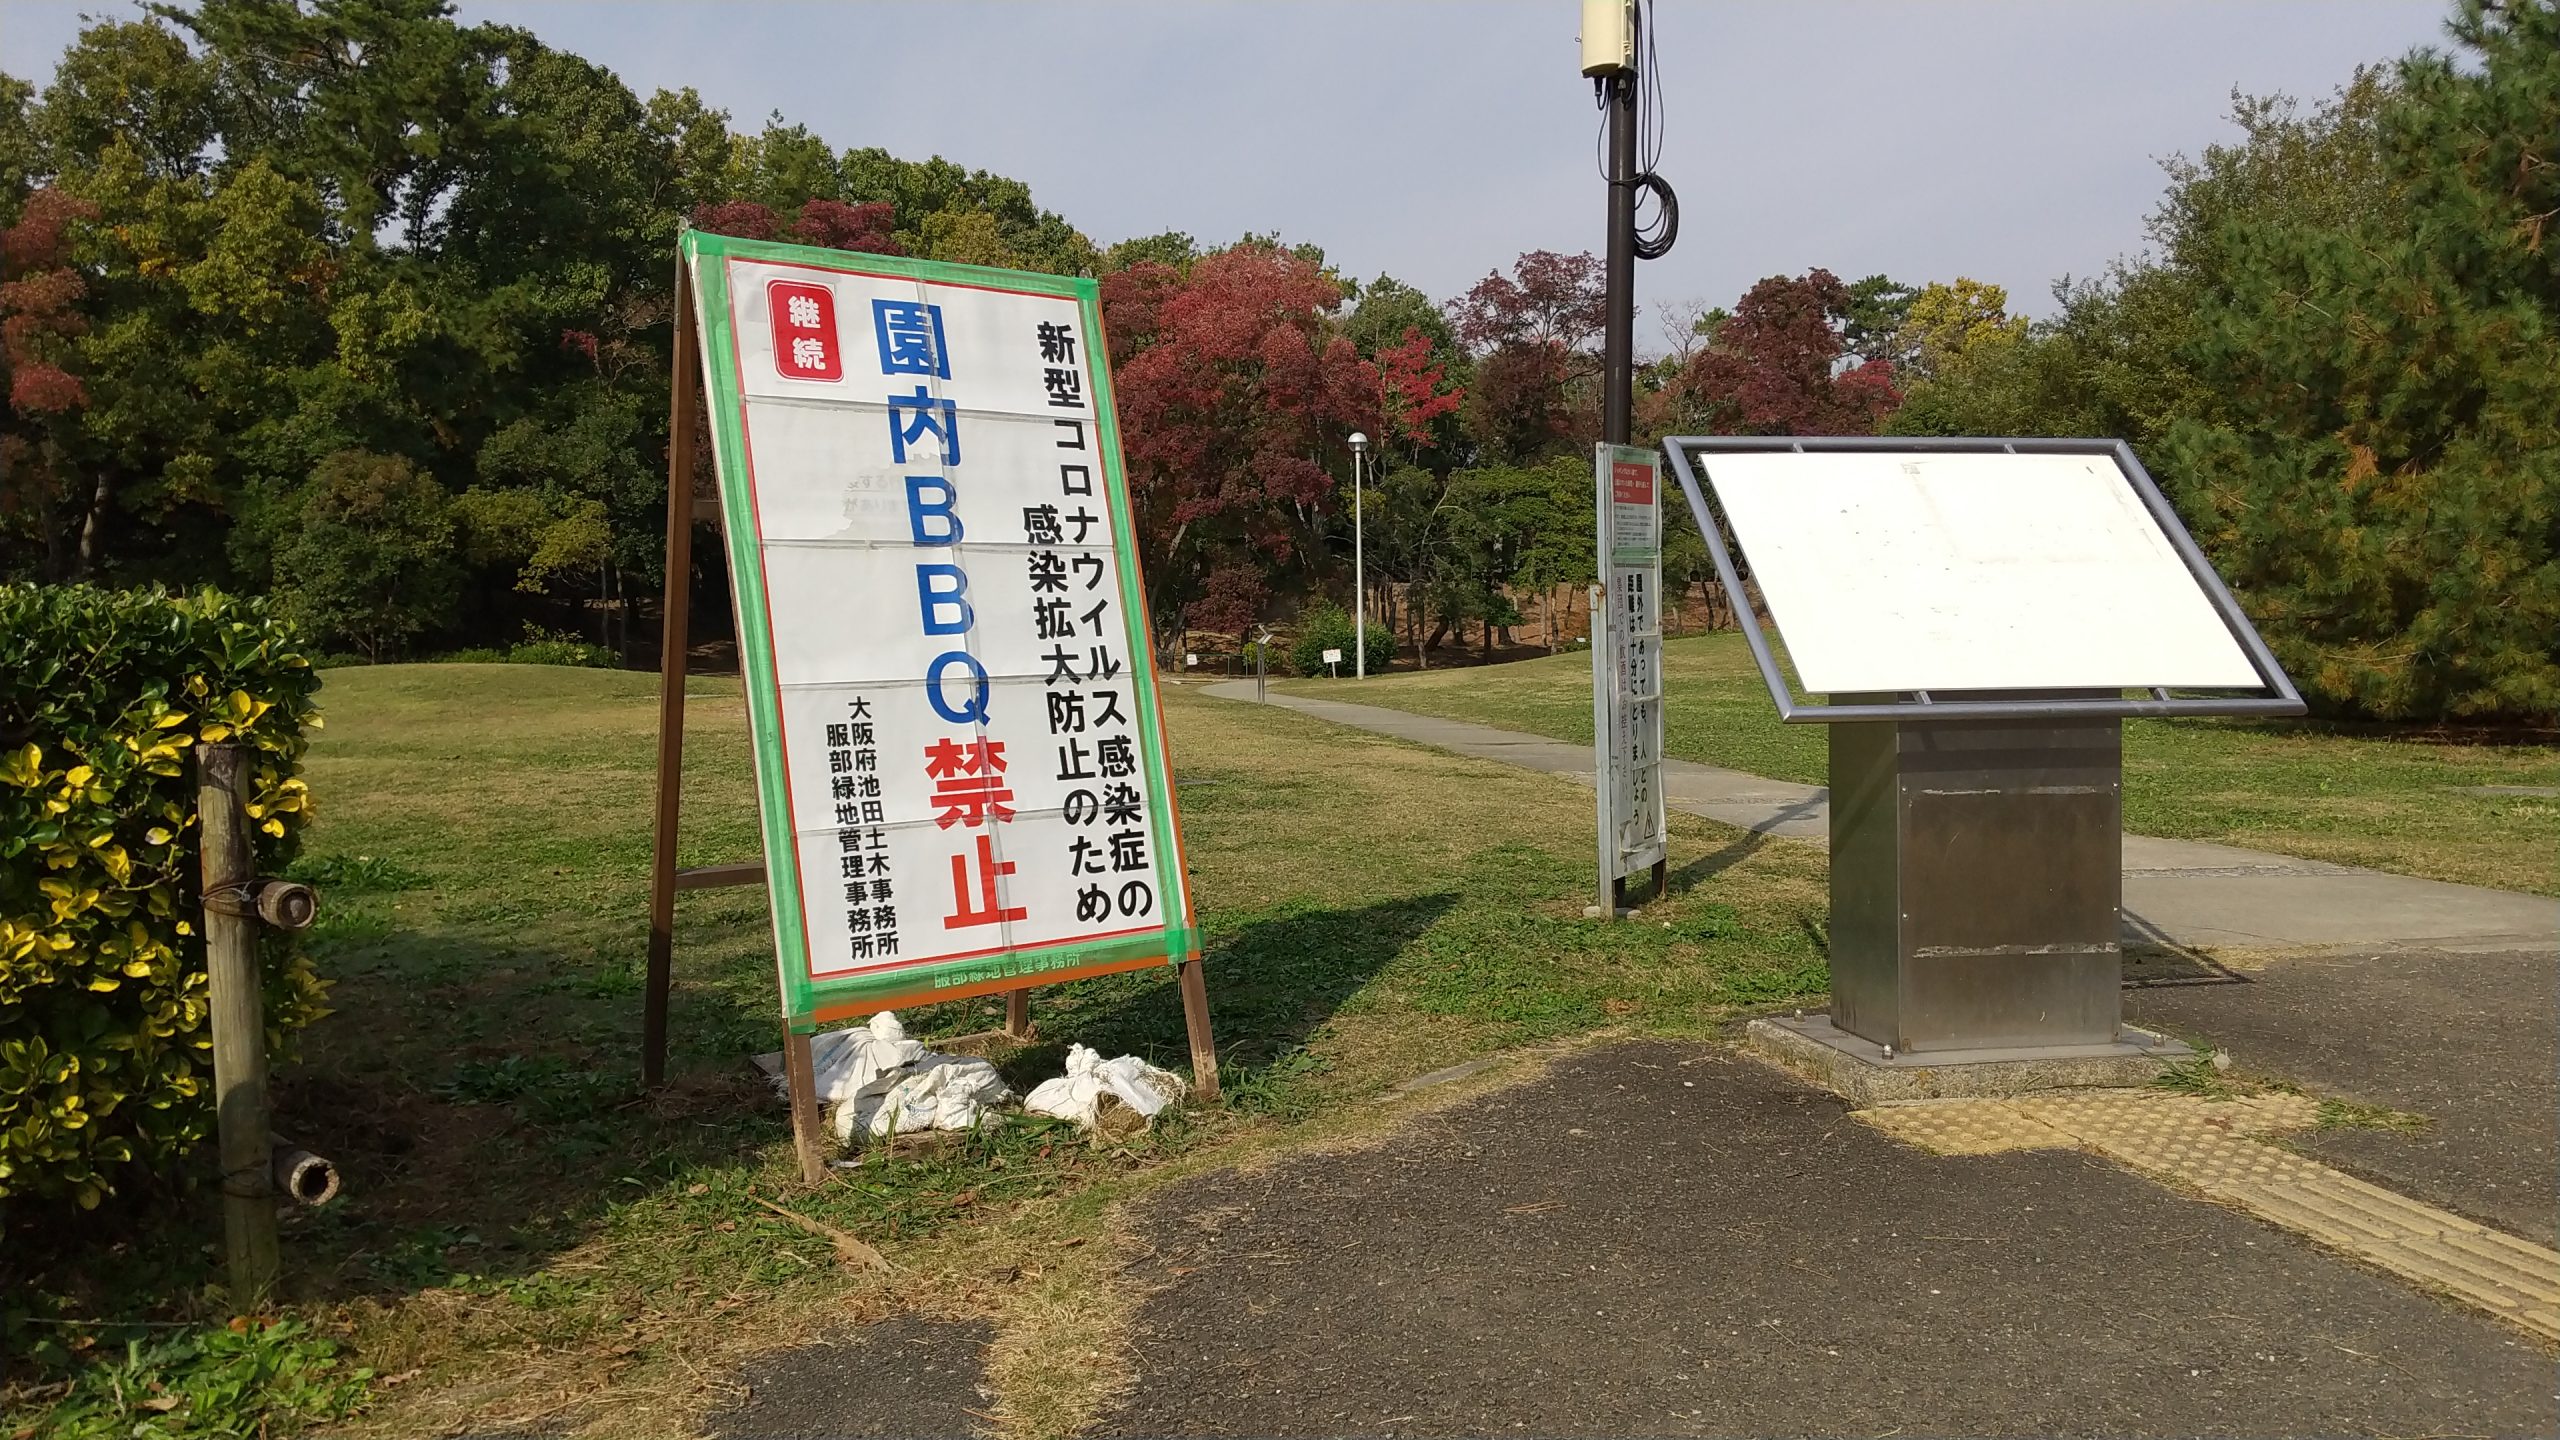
2011	140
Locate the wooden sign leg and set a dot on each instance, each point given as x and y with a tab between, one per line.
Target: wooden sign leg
801	1075
1017	1014
1195	1018
675	640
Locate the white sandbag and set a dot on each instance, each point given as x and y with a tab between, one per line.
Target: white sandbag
940	1092
853	1064
1081	1094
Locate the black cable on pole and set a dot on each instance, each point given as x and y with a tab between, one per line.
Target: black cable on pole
1655	241
1652	241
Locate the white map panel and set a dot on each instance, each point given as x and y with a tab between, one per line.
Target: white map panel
1916	570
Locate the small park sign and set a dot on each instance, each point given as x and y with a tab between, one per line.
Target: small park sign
961	772
1626	665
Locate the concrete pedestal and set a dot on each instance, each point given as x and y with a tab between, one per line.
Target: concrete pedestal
1858	1070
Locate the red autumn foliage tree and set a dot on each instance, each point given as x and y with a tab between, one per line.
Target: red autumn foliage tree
1234	393
1773	367
830	223
1534	329
839	226
1548	299
40	294
1415	388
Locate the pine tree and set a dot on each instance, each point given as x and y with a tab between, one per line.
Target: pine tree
2383	483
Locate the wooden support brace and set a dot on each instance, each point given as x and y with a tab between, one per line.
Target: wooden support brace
800	1074
1017	1014
712	877
675	641
1204	1047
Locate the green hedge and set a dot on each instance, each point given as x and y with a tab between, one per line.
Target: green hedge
105	1063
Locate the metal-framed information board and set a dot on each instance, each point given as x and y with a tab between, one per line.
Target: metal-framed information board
1979	617
2052	571
1626	667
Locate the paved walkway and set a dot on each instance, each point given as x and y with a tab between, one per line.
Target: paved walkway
1662	1239
2177	892
1665	1238
2470	1041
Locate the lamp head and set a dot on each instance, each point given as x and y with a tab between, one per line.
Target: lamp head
1359	442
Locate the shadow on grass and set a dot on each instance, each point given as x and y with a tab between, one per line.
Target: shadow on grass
1273	980
482	1101
483	1106
1708	866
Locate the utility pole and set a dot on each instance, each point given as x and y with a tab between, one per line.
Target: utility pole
1613	23
1613	45
1359	577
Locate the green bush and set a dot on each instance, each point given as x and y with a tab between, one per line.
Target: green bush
104	1059
538	647
1328	627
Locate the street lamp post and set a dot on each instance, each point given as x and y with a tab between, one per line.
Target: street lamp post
1359	579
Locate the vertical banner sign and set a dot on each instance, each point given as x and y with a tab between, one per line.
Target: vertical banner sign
1626	664
959	761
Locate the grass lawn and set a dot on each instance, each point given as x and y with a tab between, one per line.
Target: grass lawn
528	1238
2406	802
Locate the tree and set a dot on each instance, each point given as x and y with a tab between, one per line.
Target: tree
40	294
1774	366
1236	397
372	561
1948	325
1872	323
2384	488
1173	249
1414	389
379	105
328	225
1531	334
2117	358
931	197
18	163
1548	299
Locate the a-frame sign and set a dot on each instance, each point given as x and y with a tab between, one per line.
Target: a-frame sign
960	763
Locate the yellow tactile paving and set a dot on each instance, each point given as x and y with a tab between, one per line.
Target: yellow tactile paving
2215	1146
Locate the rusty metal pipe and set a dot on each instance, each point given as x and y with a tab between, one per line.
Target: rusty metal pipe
301	1176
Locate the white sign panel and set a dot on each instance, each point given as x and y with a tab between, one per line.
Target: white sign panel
1626	663
962	775
1892	572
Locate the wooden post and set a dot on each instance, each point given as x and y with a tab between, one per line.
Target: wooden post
801	1075
239	1024
676	639
1195	1018
1017	1014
